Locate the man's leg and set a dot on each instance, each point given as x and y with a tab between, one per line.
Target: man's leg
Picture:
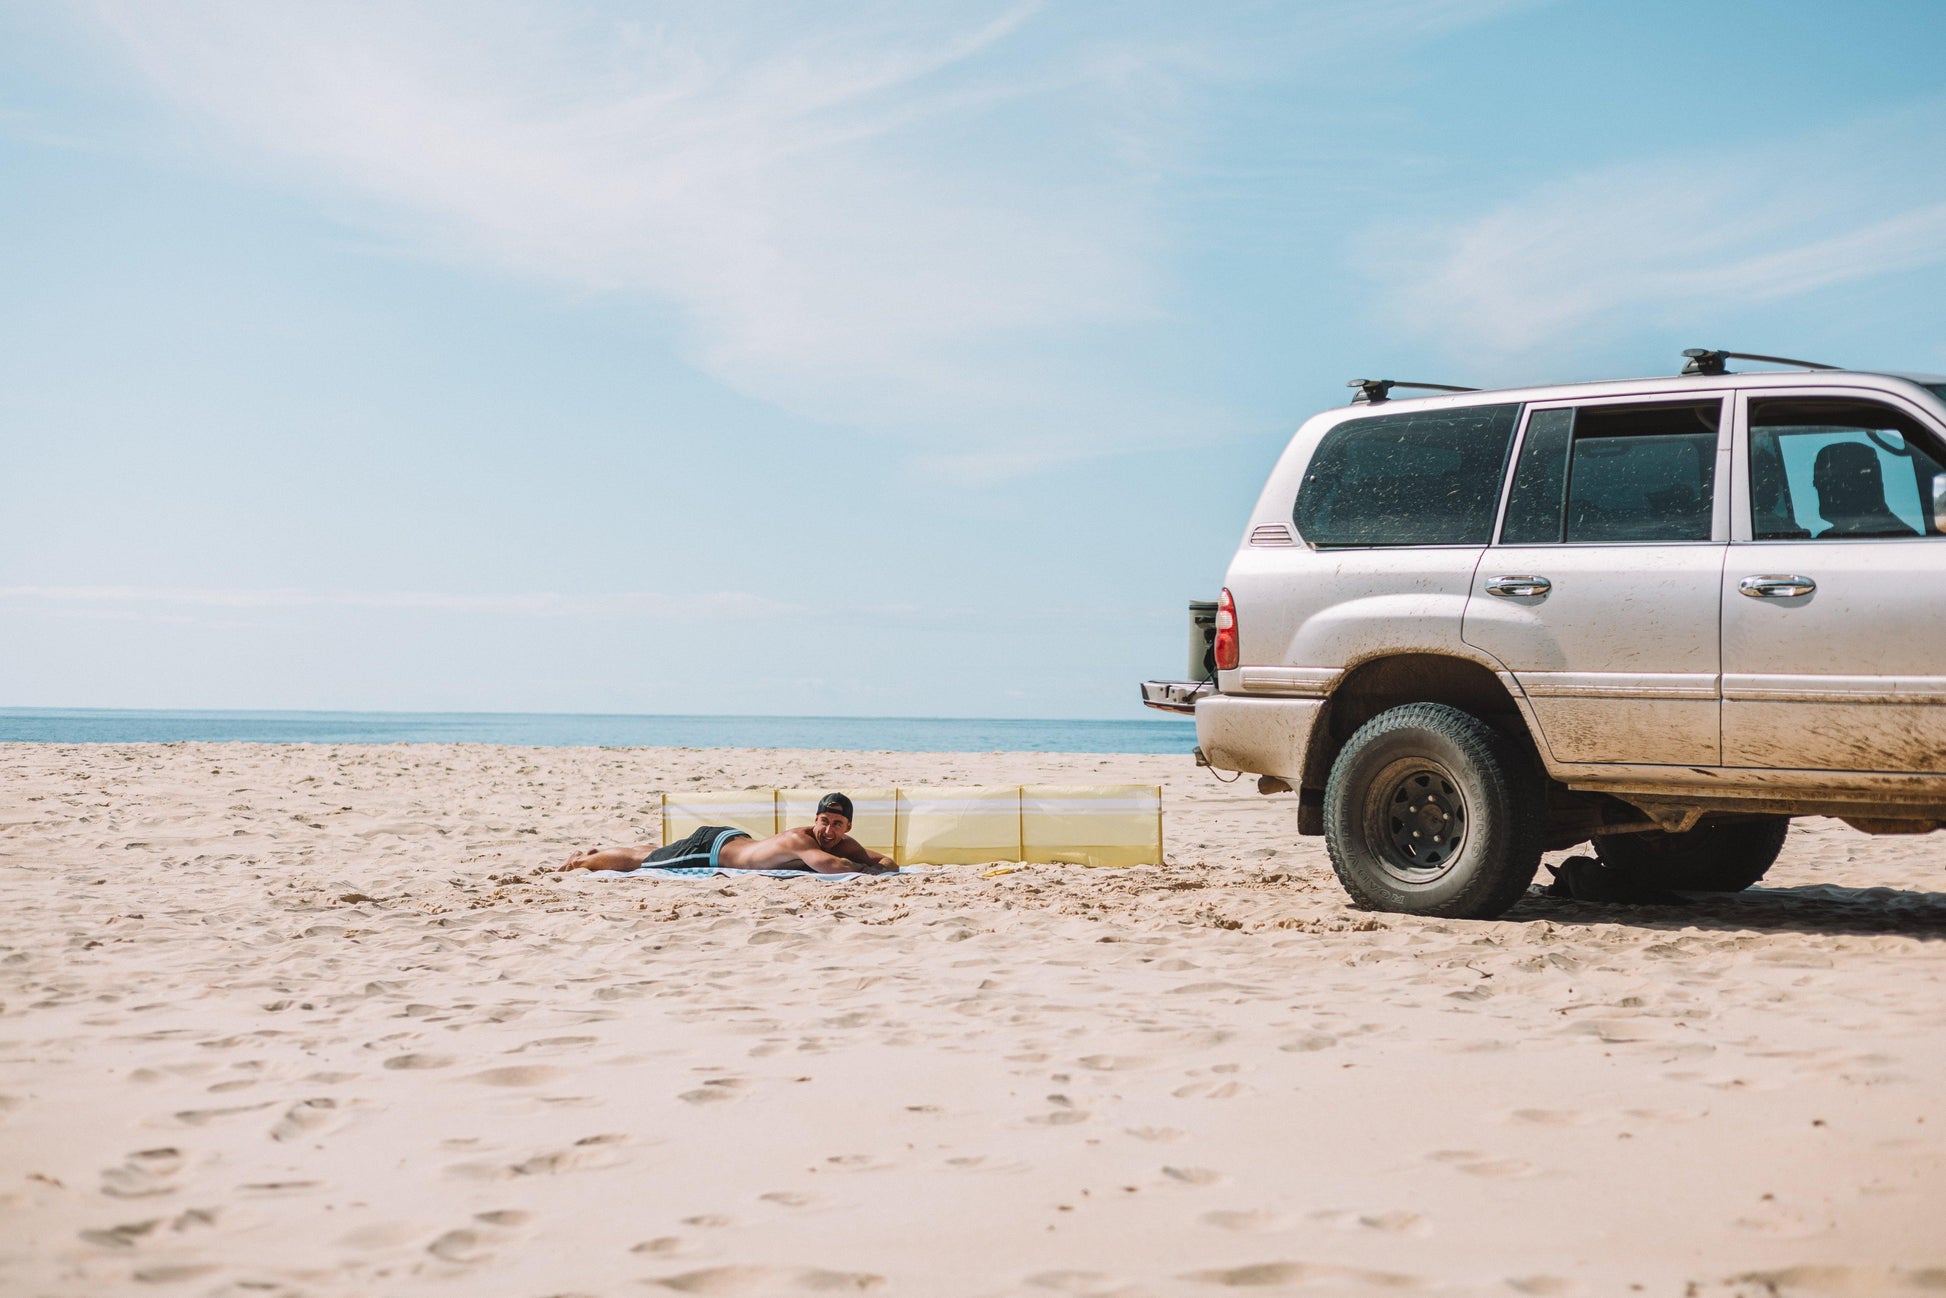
613	858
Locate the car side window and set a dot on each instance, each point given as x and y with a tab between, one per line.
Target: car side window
1595	474
1827	468
1425	478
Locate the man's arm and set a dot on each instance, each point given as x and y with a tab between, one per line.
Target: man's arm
853	850
823	862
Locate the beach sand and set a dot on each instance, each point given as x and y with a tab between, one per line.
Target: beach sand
318	1020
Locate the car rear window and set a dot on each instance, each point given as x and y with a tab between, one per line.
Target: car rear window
1425	478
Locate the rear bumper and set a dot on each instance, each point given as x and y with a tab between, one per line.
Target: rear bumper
1174	696
1262	736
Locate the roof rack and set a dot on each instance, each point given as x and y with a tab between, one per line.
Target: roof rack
1373	391
1705	360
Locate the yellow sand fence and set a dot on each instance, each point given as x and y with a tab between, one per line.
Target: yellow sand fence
1074	824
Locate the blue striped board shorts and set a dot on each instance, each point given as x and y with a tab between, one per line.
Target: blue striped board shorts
699	849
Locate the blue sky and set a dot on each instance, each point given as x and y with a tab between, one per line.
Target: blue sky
880	360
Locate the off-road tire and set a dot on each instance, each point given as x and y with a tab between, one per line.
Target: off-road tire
1727	856
1476	776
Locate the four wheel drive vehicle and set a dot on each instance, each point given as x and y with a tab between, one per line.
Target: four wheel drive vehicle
1663	614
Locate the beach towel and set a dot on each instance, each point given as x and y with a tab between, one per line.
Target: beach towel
710	871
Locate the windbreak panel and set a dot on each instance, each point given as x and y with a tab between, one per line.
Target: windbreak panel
1425	478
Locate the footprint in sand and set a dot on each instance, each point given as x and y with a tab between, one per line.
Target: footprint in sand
173	1274
1113	1064
1269	1274
736	1280
462	1246
1059	1118
858	1162
123	1236
979	1163
588	1155
1227	989
417	1060
519	1075
1506	1169
200	1117
1668	1115
660	1246
145	1174
1548	1286
378	1237
302	1118
548	1164
1616	1031
1781	1222
1549	1117
1396	1222
1193	1175
1251	1221
504	1217
276	1189
1089	1284
554	1043
1475	1163
1310	1041
1209	1091
1203	1038
714	1091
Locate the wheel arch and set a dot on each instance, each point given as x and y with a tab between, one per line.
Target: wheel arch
1381	683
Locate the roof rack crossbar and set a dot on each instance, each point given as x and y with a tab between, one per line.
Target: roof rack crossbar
1373	391
1708	360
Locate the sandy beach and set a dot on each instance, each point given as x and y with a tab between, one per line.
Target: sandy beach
320	1020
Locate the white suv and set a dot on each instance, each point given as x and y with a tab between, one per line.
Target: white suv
1663	614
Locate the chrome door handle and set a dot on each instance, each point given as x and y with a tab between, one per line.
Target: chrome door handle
1776	586
1518	587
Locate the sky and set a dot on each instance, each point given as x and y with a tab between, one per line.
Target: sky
881	360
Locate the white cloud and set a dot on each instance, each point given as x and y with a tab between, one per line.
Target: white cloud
924	219
1696	234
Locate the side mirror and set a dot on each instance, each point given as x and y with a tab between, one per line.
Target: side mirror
1939	504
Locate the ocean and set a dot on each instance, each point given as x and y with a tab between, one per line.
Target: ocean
857	734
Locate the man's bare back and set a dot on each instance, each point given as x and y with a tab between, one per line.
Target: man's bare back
803	849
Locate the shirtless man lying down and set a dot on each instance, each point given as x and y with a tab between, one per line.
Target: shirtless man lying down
825	846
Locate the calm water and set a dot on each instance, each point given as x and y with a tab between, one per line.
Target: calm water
866	734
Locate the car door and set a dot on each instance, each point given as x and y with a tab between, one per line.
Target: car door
1834	599
1600	593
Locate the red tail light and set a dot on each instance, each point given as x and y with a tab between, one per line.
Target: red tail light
1226	632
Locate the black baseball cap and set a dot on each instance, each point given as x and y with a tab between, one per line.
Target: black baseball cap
836	802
